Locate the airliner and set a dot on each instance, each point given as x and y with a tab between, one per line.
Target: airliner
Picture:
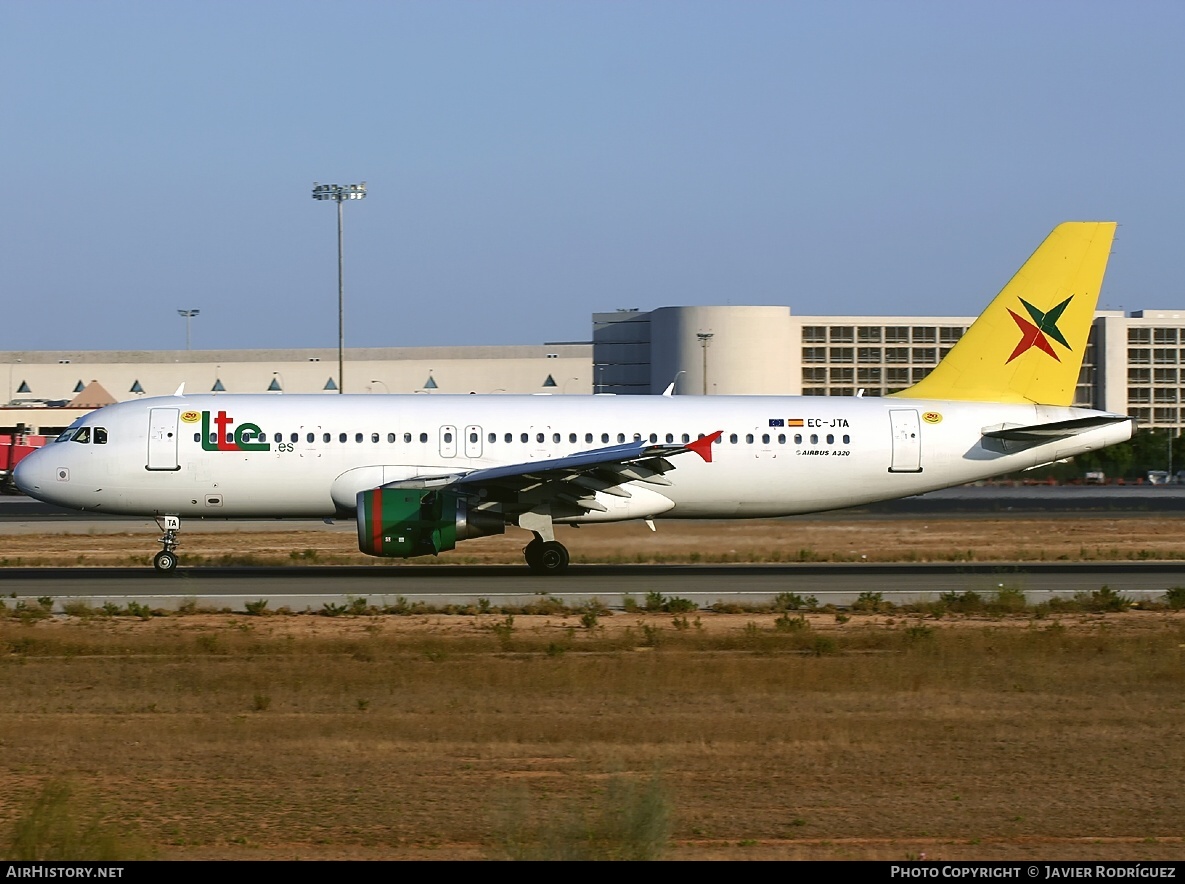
421	473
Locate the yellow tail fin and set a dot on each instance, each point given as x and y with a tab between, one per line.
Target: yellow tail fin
1029	343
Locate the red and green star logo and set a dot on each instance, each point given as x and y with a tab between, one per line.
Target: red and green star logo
1038	332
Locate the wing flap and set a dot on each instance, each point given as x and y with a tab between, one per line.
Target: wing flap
572	481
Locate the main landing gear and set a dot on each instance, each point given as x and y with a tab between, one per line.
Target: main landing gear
546	556
165	561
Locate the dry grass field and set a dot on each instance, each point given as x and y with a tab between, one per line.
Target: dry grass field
582	734
684	736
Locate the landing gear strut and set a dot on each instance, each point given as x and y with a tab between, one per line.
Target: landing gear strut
165	561
546	556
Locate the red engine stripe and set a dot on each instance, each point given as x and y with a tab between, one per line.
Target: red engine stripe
376	521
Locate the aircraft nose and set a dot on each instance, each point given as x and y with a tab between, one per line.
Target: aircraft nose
32	474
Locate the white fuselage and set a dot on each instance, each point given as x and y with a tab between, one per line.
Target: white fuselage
778	455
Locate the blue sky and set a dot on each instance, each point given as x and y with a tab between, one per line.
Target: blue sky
529	163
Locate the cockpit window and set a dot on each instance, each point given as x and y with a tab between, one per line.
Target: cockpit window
100	435
83	435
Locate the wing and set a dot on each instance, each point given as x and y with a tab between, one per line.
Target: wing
568	485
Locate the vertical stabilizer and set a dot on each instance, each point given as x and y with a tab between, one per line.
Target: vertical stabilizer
1029	343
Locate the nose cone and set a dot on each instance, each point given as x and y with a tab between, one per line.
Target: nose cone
32	475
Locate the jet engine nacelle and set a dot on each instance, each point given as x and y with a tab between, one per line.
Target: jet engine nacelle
399	522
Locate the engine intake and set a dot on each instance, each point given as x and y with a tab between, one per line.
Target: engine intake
400	523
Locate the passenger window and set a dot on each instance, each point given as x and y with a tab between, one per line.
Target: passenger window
279	437
670	437
604	437
798	438
538	437
588	437
473	437
374	437
814	439
686	437
555	437
423	437
407	437
448	437
732	437
781	438
391	437
637	437
509	437
653	437
847	440
524	438
572	438
621	437
197	437
749	438
310	437
830	439
325	437
493	437
765	438
341	437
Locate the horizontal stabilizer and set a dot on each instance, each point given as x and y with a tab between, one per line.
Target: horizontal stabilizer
1054	430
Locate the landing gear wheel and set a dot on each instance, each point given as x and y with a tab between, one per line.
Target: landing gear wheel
165	561
547	557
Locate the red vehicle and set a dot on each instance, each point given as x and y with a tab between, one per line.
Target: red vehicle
13	447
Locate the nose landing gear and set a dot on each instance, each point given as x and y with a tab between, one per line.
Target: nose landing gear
165	561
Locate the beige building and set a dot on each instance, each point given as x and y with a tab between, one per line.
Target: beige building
41	384
1134	364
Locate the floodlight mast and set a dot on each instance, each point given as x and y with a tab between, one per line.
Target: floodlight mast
338	193
188	314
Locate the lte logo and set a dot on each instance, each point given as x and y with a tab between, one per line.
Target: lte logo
239	441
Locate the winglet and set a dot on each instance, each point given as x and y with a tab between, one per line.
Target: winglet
180	390
703	446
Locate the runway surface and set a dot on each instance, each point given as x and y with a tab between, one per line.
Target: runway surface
440	585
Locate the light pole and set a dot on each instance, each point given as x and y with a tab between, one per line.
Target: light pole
188	314
705	338
340	193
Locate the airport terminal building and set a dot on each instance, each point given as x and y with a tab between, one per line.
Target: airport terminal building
1135	364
